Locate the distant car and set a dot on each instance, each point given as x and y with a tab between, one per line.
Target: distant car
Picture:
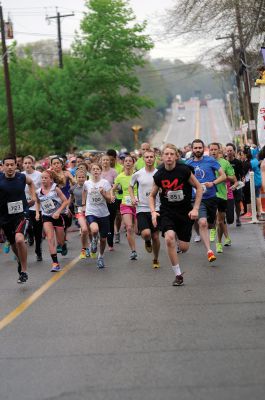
181	106
203	103
181	118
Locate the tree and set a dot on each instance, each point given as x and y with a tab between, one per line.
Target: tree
111	46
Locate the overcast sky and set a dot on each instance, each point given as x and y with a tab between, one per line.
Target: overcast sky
28	17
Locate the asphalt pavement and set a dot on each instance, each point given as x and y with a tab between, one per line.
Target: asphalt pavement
125	333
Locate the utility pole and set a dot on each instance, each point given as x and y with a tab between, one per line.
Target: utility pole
245	71
236	70
58	17
10	116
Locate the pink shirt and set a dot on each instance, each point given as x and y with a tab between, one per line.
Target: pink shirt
230	194
109	175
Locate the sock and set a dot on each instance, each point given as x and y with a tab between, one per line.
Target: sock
100	255
54	258
176	269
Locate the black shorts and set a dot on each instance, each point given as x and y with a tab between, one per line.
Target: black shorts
144	221
103	224
18	225
57	223
208	209
221	205
67	220
179	223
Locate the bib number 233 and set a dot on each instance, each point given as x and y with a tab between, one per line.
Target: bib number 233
15	207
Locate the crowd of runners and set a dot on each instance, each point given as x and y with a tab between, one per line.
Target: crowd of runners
154	193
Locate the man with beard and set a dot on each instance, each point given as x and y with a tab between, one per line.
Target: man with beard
204	170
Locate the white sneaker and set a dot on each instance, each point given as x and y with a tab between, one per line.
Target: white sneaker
197	238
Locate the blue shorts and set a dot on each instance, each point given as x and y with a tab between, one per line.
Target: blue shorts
208	209
103	224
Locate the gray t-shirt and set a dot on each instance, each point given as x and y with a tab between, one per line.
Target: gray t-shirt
144	181
77	191
95	203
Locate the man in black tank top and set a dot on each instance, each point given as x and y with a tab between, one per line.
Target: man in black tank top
174	183
13	205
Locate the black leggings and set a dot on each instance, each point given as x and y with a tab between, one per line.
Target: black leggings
35	230
230	211
112	207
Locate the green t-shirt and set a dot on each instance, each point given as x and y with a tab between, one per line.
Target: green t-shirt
124	181
140	163
229	171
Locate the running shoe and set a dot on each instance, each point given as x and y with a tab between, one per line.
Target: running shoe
178	249
55	267
23	277
197	238
133	255
6	247
248	215
100	262
219	248
148	246
30	241
117	238
39	257
238	222
59	249
87	252
211	256
178	281
212	234
82	254
228	241
156	264
64	250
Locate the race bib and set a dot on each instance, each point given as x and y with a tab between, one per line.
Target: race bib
15	207
96	197
128	200
175	195
48	205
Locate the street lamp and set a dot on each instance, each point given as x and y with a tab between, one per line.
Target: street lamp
136	129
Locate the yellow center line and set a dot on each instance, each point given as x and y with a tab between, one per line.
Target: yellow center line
38	293
197	126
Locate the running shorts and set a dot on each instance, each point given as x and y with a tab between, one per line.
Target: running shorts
103	224
18	225
221	205
208	209
144	221
57	223
179	223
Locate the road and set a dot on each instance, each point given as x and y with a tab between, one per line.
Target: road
125	333
208	123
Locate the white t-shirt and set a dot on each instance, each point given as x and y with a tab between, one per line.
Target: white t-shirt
36	178
95	203
144	182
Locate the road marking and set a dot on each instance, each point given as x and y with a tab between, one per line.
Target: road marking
197	126
38	293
